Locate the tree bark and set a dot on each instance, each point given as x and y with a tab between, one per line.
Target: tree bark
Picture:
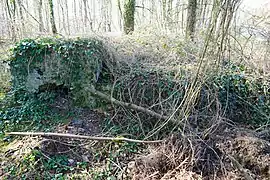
41	25
129	13
67	18
120	16
85	19
164	12
21	17
191	19
74	136
52	19
127	105
12	13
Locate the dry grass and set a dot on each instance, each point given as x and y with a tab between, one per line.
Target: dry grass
204	144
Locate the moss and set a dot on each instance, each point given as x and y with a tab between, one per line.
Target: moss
129	10
70	63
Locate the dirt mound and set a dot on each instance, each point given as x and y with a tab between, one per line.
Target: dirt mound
248	153
228	154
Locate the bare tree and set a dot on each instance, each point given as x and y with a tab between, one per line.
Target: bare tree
191	19
67	17
52	19
21	17
85	19
120	15
41	25
129	12
11	8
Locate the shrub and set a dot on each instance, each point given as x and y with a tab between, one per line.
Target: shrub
244	98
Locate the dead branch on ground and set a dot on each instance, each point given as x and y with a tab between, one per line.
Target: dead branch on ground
116	139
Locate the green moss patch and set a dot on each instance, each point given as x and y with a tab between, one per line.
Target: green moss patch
43	64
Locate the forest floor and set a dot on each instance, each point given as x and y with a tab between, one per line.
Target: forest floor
237	153
227	150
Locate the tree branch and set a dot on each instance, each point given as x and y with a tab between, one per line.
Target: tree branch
127	105
81	137
144	8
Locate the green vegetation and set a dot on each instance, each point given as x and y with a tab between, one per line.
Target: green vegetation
38	65
129	13
45	70
41	67
244	98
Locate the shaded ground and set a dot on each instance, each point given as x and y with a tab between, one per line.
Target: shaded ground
230	153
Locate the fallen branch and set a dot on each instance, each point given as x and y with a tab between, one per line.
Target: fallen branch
134	106
81	137
127	105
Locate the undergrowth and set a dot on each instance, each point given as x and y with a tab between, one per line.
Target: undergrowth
22	111
244	98
39	68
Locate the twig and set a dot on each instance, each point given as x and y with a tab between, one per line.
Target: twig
81	137
144	8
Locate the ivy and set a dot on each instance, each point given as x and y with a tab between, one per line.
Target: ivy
242	97
72	63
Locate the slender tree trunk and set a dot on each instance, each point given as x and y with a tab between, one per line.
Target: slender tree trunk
11	13
169	14
85	19
164	12
203	17
7	18
41	25
63	16
90	19
153	10
129	13
57	7
21	17
109	16
81	24
120	16
178	9
52	19
47	16
67	18
191	19
94	15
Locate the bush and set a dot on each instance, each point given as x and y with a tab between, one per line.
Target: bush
243	98
25	111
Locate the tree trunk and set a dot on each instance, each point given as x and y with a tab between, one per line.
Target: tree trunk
21	17
75	17
12	13
164	12
85	19
67	18
129	13
109	16
120	14
191	19
41	25
53	27
63	16
169	14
